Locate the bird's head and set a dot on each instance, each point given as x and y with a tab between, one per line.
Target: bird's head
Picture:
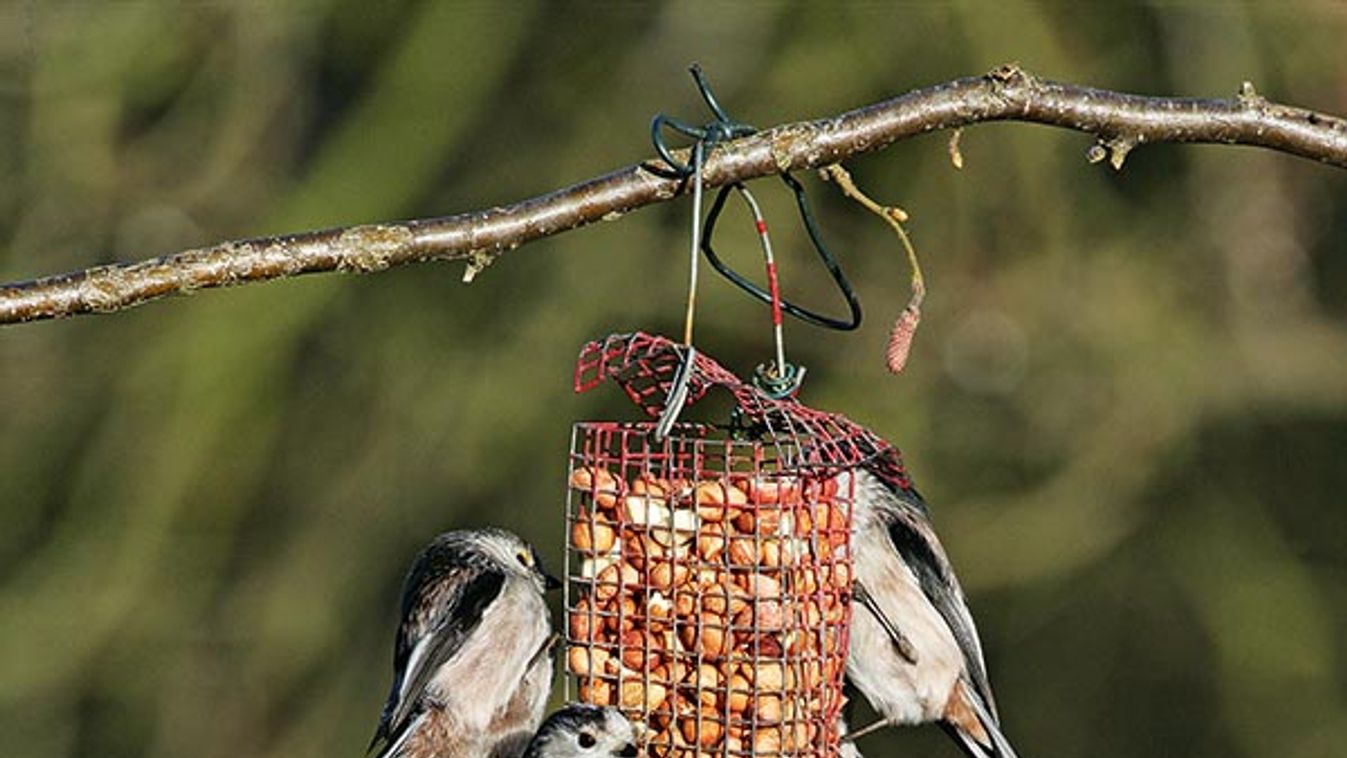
585	731
516	557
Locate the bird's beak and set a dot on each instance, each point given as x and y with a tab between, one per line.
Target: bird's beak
551	582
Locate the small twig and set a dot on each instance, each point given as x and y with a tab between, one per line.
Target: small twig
1119	121
905	327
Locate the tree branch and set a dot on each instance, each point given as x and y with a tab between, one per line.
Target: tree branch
1120	122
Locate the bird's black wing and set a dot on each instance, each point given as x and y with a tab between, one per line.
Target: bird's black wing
444	598
912	536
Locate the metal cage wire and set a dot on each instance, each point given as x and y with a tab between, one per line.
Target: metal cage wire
708	584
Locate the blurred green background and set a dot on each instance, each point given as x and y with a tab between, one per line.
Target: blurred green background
1127	402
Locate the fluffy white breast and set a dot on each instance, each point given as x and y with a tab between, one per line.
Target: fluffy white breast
905	693
486	674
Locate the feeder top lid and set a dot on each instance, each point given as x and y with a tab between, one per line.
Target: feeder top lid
645	366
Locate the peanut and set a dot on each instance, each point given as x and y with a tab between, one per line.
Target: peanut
768	708
768	645
656	695
739	693
767	740
804	522
582	621
715	598
590	567
709	636
658	606
768	616
701	729
599	482
633	693
639	650
596	691
646	511
783	490
711	542
685	603
841	576
768	676
592	535
769	521
771	554
653	487
667	575
612	579
705	680
743	552
678	530
761	585
584	661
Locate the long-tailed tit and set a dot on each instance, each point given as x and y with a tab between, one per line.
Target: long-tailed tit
915	653
584	731
472	660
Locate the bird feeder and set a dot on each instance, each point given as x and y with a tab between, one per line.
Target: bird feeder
709	570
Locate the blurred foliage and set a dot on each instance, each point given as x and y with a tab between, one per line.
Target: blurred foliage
1127	402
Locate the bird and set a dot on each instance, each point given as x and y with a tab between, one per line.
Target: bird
580	730
472	659
915	653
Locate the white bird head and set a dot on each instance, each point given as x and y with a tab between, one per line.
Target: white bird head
584	731
515	556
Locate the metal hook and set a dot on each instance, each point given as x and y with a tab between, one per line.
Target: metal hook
678	395
779	384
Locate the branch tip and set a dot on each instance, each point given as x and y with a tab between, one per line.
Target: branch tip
1119	148
1249	96
1010	73
477	262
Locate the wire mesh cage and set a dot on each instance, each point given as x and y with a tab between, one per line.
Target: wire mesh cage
709	590
709	571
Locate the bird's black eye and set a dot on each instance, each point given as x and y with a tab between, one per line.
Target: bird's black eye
524	558
587	740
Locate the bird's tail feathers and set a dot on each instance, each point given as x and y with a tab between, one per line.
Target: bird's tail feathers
390	744
378	738
973	726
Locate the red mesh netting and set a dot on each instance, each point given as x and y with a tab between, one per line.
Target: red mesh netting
709	578
645	365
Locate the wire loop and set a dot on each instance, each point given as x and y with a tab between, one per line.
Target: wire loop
722	129
815	236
